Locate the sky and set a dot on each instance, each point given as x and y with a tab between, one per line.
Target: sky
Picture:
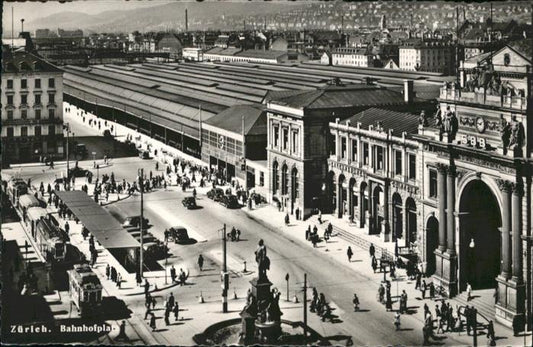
30	10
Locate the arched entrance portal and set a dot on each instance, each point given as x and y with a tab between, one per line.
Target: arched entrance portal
432	242
397	217
342	195
410	210
275	178
352	198
479	223
331	192
377	208
363	198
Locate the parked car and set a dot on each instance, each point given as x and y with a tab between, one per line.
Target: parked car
78	172
189	202
229	201
156	251
215	194
144	154
135	221
179	234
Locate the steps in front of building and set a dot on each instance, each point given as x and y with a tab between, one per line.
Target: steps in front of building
360	242
482	300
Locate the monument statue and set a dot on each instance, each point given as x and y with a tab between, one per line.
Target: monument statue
263	262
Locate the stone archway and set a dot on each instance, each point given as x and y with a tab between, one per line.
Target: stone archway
410	219
397	217
479	236
331	193
432	243
363	203
352	198
295	187
342	197
275	178
284	180
377	208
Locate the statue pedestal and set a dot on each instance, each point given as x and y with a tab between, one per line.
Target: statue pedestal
268	332
261	288
248	328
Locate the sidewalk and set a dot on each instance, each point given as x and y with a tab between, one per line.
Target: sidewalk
336	248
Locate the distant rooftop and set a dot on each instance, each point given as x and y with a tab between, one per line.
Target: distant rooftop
21	61
388	120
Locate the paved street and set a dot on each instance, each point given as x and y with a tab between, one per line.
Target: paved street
326	267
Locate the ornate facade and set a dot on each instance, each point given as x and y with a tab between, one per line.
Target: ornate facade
477	227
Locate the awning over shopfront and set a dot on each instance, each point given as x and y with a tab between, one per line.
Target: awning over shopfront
105	228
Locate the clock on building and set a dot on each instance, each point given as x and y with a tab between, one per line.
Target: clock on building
480	124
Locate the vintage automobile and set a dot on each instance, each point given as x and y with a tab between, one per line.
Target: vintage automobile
179	234
229	201
135	221
189	202
215	194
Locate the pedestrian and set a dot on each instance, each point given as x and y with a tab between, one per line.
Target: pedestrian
67	227
167	313
418	280
148	311
308	233
153	303
320	216
173	273
381	293
107	271
287	219
238	234
372	251
200	262
349	253
355	302
182	277
374	263
152	322
431	290
297	213
468	292
170	301
119	280
388	303
423	289
146	287
397	321
490	334
138	278
122	332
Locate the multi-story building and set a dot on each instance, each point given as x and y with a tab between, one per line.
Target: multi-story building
430	56
374	177
299	140
32	112
477	173
193	54
349	56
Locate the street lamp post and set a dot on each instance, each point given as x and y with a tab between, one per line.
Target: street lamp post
287	279
141	223
225	275
166	258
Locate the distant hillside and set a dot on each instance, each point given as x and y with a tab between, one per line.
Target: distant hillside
159	17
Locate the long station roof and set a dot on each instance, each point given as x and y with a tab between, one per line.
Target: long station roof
105	228
179	96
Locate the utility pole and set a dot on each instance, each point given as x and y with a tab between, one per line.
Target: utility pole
305	309
474	343
287	279
225	275
141	186
244	155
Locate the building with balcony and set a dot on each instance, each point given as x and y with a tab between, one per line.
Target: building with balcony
430	56
32	118
478	155
374	174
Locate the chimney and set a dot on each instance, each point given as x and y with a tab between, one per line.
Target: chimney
186	21
408	91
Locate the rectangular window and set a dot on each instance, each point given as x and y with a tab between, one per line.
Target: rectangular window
398	162
51	113
276	136
51	130
412	167
37	83
285	139
433	184
10	115
261	179
37	114
354	150
10	99
38	130
295	142
37	99
9	84
379	158
51	83
24	114
23	99
24	131
51	98
23	83
365	154
10	132
344	148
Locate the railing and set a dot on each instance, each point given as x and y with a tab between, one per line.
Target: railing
514	102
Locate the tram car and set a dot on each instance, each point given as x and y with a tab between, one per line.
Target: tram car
15	188
51	240
85	289
26	201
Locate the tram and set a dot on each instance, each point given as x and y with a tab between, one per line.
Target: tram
51	240
85	289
